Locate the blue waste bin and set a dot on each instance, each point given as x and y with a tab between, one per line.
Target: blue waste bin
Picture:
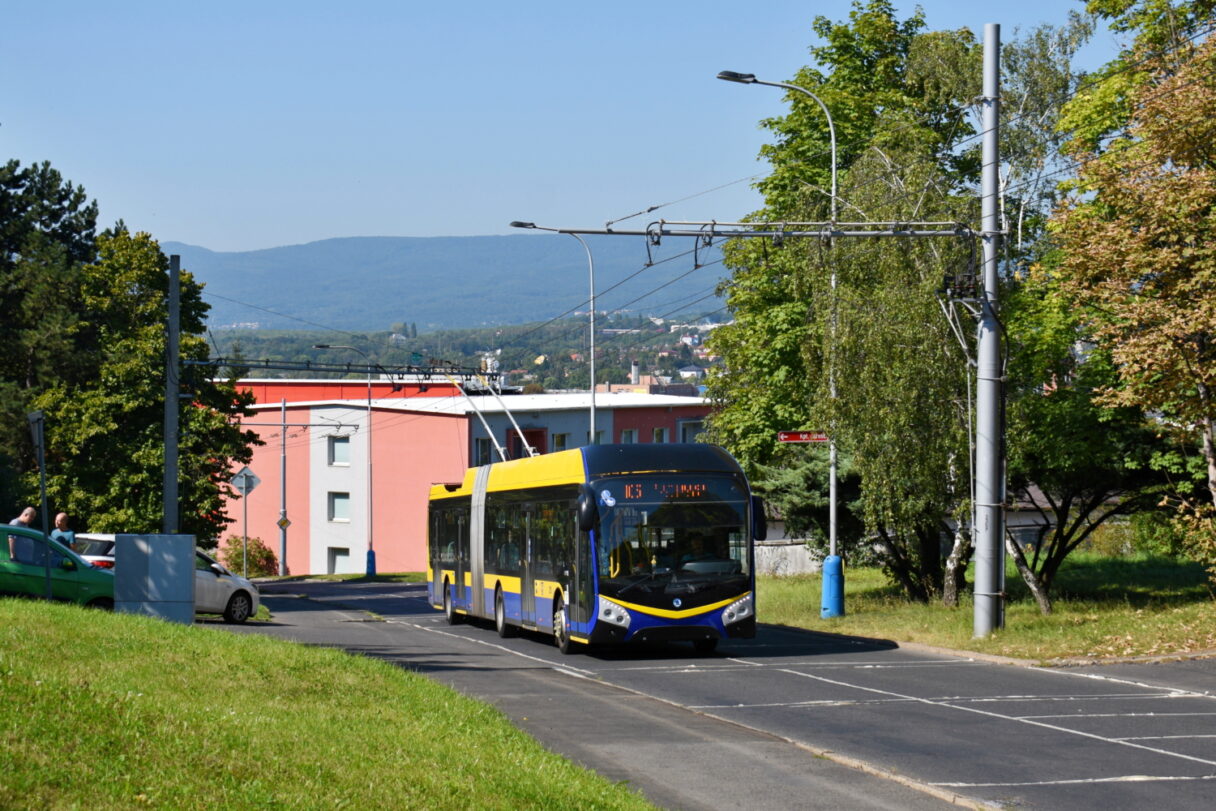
833	587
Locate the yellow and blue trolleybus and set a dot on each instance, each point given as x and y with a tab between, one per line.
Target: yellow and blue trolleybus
600	544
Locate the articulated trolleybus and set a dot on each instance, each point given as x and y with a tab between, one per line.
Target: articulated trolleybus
600	544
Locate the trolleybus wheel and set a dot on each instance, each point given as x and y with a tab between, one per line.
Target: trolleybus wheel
561	633
500	615
448	611
704	646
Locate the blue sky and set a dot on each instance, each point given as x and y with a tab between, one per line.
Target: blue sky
248	125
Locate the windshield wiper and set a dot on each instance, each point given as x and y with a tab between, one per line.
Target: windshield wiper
646	578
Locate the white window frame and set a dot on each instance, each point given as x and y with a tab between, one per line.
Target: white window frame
629	436
335	498
335	442
660	435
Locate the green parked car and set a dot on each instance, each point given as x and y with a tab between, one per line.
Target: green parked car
73	579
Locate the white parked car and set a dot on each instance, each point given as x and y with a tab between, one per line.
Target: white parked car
216	590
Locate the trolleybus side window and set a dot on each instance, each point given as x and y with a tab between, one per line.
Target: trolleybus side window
506	538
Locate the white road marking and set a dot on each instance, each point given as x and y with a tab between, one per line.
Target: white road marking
1114	715
570	669
1116	680
1002	716
1163	737
1125	778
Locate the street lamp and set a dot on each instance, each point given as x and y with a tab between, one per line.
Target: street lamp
750	78
833	592
591	271
371	551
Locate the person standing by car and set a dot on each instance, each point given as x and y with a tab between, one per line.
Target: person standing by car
61	532
16	542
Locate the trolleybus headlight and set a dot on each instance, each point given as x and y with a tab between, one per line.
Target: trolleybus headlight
740	609
613	613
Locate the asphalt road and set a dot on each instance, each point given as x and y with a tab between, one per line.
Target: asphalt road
795	719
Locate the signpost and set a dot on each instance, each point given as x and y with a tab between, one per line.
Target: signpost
833	567
802	436
244	481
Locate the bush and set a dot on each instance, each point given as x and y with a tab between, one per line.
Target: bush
262	561
1156	533
1113	539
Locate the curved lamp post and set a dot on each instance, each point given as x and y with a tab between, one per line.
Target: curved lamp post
371	551
749	78
591	271
833	593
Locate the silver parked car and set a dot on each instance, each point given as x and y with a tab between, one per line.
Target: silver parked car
216	590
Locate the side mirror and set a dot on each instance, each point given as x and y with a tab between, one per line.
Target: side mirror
68	565
217	570
587	512
759	523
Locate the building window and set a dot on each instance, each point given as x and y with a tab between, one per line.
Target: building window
339	450
660	435
481	451
629	436
599	438
691	429
561	442
338	560
339	507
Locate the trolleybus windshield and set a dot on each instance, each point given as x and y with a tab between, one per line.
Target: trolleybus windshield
663	534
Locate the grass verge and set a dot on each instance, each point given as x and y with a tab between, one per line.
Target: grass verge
1104	607
101	710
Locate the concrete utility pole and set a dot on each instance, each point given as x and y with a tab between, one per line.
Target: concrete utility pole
172	389
989	430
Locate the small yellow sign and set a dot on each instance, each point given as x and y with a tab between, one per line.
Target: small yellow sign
284	523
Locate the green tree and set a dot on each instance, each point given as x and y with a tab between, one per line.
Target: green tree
106	441
46	234
1139	239
898	97
1078	463
902	99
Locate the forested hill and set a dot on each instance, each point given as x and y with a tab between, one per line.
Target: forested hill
369	283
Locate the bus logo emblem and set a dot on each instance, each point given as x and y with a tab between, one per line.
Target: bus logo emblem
677	602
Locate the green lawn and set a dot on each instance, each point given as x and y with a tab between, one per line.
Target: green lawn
1121	607
102	710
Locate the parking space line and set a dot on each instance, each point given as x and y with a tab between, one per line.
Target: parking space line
1002	716
1163	737
1114	715
827	702
1125	778
819	664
